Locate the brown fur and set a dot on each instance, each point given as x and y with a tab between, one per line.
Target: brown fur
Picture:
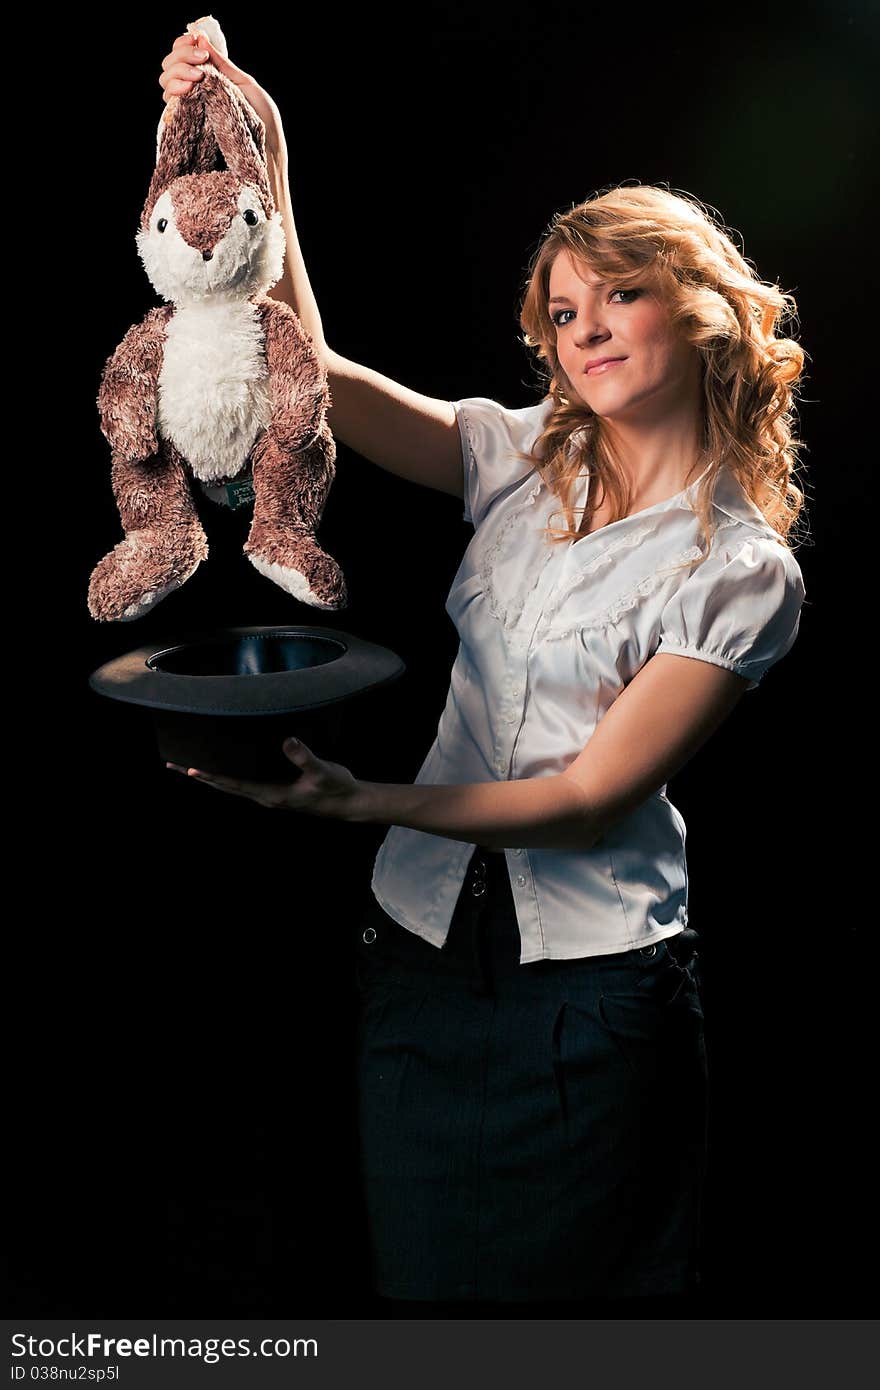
204	208
212	123
294	461
164	539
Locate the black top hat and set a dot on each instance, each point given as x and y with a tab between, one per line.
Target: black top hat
224	701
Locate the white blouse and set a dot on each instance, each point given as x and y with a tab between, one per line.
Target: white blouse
549	637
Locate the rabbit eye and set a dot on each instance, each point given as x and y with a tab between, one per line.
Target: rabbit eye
250	217
161	224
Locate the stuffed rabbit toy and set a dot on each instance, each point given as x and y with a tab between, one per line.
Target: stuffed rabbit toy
219	384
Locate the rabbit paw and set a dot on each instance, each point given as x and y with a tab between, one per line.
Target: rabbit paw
142	570
298	565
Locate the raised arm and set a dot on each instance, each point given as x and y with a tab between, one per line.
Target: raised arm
409	434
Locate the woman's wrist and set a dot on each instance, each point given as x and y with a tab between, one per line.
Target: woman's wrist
365	804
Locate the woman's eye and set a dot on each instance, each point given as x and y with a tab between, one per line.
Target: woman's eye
559	312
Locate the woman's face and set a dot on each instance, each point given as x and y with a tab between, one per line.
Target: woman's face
658	370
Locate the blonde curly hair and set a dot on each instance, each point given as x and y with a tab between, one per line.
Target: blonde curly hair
671	243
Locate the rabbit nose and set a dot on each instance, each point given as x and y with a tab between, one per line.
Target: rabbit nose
207	255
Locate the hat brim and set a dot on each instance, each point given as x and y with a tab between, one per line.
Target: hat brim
248	671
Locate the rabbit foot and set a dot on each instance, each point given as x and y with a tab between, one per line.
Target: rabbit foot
142	570
298	565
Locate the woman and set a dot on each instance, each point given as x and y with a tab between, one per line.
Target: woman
531	1061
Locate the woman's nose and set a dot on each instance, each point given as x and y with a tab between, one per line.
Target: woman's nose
590	331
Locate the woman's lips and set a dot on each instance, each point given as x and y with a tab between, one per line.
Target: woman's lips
604	366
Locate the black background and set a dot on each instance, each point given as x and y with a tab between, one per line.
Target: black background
180	962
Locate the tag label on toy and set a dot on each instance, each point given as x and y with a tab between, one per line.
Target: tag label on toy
240	493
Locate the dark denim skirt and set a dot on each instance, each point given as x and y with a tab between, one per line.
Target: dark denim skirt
527	1132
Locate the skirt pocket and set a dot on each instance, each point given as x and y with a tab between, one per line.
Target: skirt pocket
653	1014
390	1043
596	1098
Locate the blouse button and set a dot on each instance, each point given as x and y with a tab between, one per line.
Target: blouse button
521	880
370	935
517	851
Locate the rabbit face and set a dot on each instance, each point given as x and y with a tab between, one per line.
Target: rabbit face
209	237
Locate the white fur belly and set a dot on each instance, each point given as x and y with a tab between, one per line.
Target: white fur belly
213	396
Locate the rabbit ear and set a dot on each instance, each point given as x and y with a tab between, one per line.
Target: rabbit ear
186	144
208	26
238	131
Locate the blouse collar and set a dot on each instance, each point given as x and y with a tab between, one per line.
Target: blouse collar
729	496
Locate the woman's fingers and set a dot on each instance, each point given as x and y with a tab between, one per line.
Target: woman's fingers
204	45
179	79
183	48
185	57
320	788
267	793
182	67
177	82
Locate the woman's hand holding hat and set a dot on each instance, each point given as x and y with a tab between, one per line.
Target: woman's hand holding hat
321	789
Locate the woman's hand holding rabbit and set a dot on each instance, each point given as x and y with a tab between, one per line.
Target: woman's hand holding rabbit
182	68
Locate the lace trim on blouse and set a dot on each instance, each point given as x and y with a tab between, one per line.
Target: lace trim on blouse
610	615
508	616
624	542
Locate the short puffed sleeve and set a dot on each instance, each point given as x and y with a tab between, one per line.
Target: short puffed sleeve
740	608
490	436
